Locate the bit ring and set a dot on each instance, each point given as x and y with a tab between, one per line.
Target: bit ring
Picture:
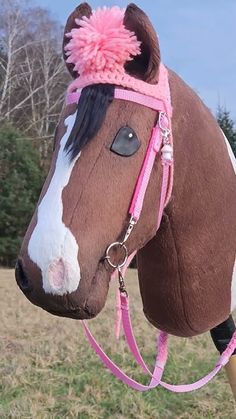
125	255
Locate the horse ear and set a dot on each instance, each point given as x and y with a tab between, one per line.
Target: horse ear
82	10
146	65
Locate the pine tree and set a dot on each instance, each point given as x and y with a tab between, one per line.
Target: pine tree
21	178
228	127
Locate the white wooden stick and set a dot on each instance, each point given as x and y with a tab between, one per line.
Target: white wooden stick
231	374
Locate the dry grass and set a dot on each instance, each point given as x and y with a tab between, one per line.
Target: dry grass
47	369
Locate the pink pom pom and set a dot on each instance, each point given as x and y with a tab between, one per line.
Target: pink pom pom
102	43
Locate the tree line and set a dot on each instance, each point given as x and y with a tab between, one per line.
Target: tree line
33	80
33	77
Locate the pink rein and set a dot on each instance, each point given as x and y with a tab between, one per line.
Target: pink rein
161	141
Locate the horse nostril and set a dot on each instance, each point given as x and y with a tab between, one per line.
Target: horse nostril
21	278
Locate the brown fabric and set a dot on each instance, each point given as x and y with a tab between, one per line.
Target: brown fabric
82	10
145	66
185	273
104	183
96	203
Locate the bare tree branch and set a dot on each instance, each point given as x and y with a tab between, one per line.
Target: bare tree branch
33	76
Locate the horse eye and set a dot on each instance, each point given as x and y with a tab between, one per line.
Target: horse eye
126	142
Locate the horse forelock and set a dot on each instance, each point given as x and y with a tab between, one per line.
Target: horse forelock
91	112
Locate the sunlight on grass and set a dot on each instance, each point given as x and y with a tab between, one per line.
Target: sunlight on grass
47	369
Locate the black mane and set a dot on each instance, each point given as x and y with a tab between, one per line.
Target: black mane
92	107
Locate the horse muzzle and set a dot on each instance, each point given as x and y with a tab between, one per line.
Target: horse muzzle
84	303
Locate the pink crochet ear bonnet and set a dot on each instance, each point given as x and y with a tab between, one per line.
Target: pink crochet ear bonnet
100	47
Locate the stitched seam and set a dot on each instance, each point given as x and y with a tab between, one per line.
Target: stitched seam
179	276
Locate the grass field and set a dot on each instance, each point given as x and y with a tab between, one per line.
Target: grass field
47	369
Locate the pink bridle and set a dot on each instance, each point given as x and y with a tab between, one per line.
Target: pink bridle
161	141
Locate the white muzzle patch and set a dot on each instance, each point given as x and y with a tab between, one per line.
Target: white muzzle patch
52	246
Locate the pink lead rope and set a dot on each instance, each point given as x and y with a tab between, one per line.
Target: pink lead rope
161	140
162	355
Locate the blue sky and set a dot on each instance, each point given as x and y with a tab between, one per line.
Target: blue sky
197	38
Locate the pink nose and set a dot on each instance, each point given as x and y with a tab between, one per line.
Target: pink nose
57	274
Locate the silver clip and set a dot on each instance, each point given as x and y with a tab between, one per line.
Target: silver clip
122	287
164	130
130	228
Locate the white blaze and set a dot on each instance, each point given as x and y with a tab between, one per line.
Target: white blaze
233	286
52	246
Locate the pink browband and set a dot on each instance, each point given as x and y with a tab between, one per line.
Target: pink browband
130	96
161	141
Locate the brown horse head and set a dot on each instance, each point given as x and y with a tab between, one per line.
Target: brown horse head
186	268
99	148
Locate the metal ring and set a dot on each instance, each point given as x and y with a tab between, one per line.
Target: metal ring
108	257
